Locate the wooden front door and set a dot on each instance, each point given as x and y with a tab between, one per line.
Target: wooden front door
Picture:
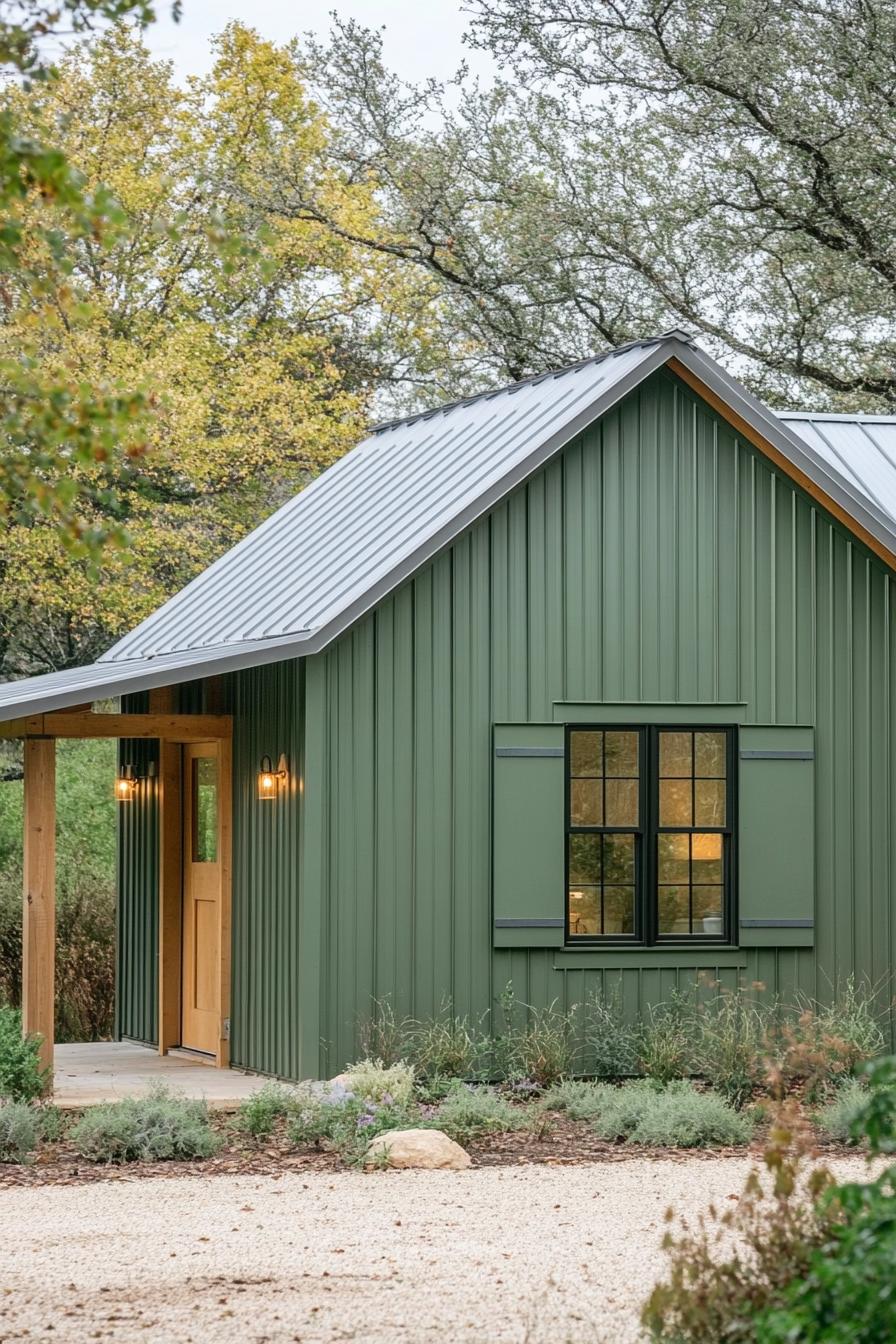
202	898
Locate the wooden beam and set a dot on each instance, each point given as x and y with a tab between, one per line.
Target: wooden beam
161	700
784	465
170	894
39	905
172	727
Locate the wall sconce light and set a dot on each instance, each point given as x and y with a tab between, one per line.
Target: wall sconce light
126	784
271	781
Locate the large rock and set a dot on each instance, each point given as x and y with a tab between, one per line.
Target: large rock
429	1149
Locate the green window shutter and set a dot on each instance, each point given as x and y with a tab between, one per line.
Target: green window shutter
776	840
528	819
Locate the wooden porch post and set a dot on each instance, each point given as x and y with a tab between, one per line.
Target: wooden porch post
39	906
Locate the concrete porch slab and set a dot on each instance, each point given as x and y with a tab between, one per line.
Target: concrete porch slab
89	1074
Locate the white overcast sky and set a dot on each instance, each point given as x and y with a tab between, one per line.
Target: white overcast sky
422	37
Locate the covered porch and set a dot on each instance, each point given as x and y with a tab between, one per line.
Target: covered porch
90	1074
191	981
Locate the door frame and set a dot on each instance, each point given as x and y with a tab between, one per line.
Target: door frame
171	892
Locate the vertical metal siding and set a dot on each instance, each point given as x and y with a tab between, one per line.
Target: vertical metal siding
267	1007
657	558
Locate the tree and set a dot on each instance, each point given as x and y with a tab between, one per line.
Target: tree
260	336
646	163
49	423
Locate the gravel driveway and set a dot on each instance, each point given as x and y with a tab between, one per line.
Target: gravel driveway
526	1255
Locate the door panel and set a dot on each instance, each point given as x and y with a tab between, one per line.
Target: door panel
202	898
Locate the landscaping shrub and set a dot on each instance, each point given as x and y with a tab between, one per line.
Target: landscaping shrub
383	1036
258	1114
160	1127
343	1120
534	1044
470	1112
666	1040
580	1100
446	1046
676	1115
728	1044
612	1045
812	1260
21	1076
838	1117
372	1080
18	1131
818	1045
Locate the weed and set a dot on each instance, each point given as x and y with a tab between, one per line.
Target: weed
160	1127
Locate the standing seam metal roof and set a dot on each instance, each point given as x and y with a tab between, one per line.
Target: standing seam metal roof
387	507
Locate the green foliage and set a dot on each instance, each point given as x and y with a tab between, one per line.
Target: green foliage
728	1044
18	1131
838	1117
676	1115
382	1035
666	1040
535	1045
799	1258
468	1113
85	888
444	1046
343	1121
372	1080
21	1076
756	205
611	1043
161	1127
258	1114
51	1122
580	1100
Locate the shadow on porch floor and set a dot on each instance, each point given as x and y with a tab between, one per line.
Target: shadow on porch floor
86	1075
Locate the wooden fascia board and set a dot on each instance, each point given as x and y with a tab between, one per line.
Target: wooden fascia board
782	463
169	727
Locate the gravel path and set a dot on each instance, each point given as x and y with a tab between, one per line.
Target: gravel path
522	1255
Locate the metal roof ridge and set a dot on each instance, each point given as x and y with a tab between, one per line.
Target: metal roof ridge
674	334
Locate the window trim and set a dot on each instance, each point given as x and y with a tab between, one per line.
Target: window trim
646	919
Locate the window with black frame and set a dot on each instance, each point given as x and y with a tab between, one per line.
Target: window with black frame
649	834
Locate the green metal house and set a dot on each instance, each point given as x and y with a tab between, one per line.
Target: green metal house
586	682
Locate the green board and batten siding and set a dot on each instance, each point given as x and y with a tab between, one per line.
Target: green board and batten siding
657	559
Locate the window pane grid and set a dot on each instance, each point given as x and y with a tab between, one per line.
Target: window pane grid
604	832
681	889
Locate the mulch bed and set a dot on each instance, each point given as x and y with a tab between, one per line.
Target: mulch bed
562	1142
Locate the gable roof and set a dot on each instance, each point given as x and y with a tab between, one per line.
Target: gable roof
860	448
381	512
